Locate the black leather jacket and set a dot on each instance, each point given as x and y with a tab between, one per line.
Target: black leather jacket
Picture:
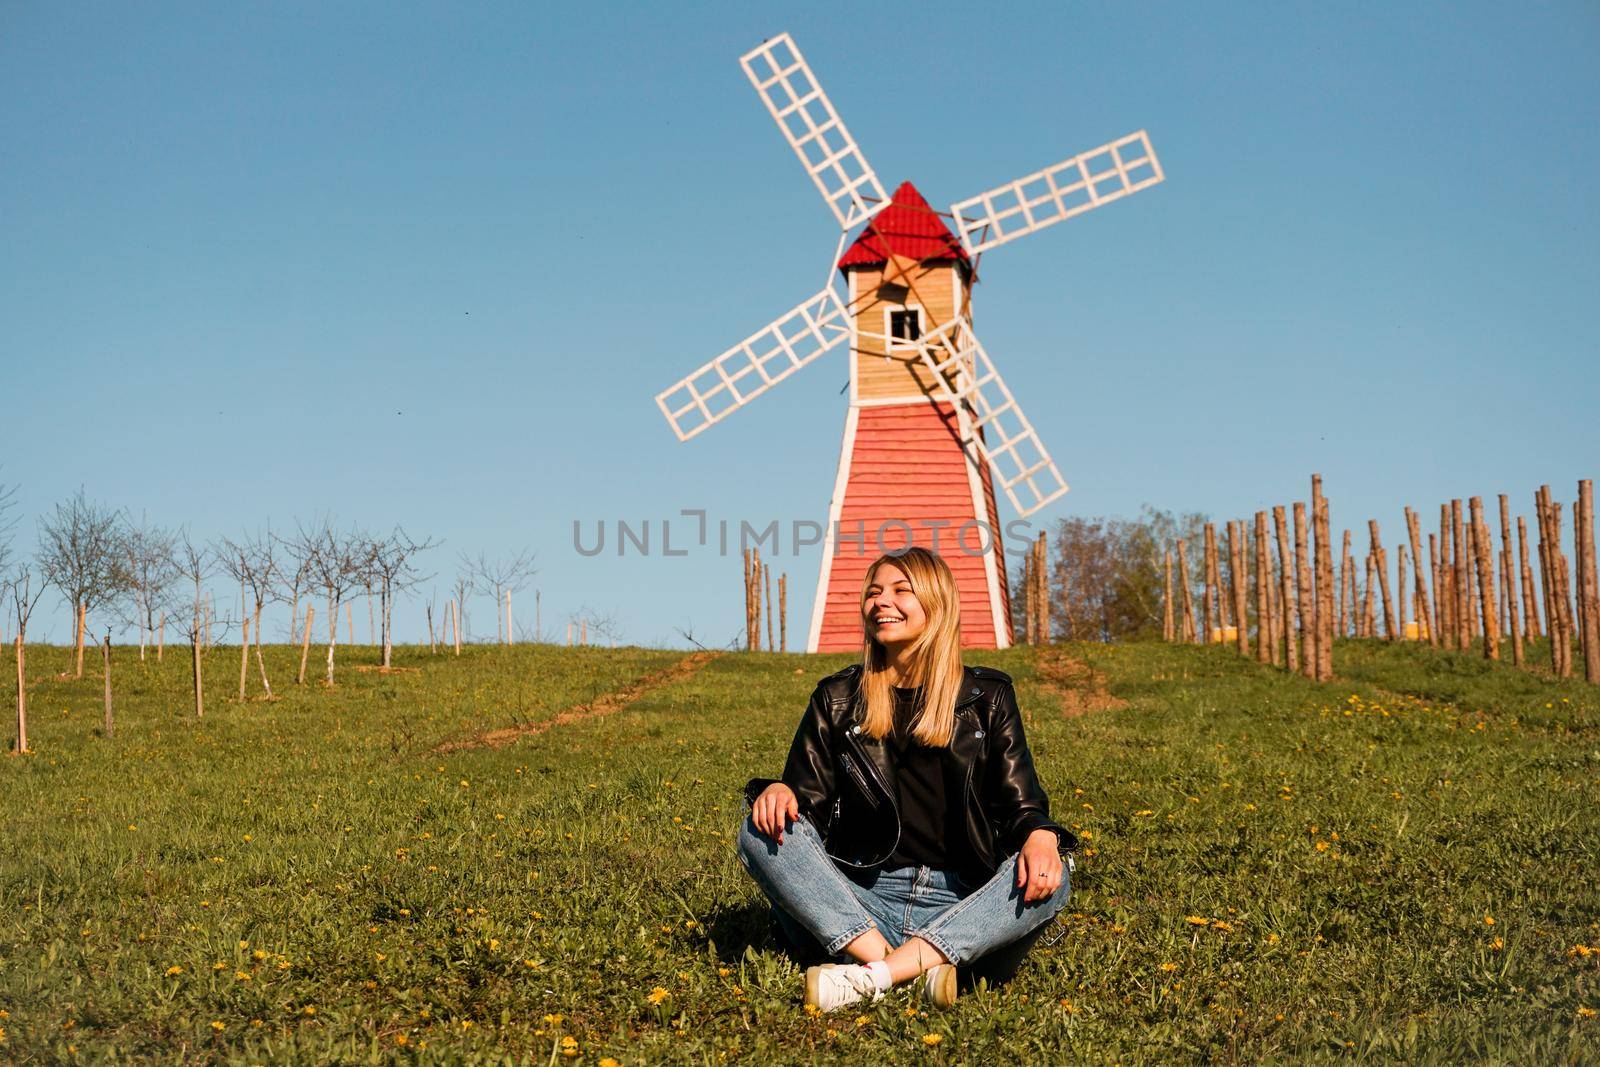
844	780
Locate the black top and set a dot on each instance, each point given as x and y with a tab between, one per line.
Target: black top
931	829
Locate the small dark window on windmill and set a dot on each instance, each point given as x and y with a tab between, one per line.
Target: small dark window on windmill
905	325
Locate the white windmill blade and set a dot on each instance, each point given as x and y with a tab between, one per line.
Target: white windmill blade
814	130
1086	181
755	364
963	373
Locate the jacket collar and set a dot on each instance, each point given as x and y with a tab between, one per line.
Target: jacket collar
970	693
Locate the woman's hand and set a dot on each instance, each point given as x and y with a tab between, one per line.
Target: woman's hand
776	803
1039	866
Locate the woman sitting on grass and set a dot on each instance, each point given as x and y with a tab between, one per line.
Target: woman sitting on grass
909	835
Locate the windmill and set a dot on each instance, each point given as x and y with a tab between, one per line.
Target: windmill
931	425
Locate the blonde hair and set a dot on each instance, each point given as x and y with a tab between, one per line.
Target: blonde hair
935	653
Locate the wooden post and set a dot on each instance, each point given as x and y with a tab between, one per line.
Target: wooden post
1509	579
194	650
1264	642
1237	580
508	617
1213	611
1369	613
1275	604
1168	618
22	694
1588	582
766	584
1460	561
1530	611
1437	574
244	653
105	654
1563	591
1488	612
783	612
1287	572
305	645
1225	581
1347	583
755	599
80	633
1305	600
1424	609
1322	526
1044	589
1400	591
1474	625
1383	578
1186	595
1552	619
161	637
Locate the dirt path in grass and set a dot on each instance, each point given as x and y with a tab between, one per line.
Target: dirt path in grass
604	704
1079	687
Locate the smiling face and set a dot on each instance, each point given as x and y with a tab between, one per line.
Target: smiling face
892	612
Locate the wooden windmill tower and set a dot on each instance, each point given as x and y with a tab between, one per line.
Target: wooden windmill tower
931	427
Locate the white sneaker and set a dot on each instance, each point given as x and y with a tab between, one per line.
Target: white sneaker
939	985
831	985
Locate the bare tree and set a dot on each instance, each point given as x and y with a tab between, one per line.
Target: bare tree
194	562
506	574
391	563
463	588
8	526
81	554
23	588
252	563
336	564
152	571
294	578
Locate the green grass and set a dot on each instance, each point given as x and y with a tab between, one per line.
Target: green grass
1276	870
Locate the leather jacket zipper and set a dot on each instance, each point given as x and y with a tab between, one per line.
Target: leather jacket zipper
853	740
860	780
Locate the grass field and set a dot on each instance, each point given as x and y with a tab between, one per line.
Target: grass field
1399	865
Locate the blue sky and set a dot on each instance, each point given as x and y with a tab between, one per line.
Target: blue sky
429	264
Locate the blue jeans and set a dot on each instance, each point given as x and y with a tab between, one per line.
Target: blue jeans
815	901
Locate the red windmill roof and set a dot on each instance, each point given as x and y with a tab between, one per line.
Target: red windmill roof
909	228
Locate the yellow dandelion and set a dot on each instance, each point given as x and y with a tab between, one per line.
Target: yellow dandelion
174	970
863	1020
1497	944
932	1039
1169	966
1488	920
1322	846
1585	1013
658	994
216	1025
1196	920
610	1061
309	1009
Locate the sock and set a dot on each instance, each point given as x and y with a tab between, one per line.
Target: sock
880	974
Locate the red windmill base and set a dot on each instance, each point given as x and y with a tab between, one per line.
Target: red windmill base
905	479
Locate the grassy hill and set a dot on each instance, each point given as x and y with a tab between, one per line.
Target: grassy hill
1397	865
